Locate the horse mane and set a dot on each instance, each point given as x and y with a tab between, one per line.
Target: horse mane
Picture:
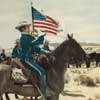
59	49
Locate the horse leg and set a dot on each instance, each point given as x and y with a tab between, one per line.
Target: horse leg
68	66
96	63
31	98
79	65
88	63
36	98
16	96
1	96
7	96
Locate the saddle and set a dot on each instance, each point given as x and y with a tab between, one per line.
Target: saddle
19	76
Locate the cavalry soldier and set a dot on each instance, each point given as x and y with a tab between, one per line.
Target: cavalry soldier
28	45
16	54
3	55
16	50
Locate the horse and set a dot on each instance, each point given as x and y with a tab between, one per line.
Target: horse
75	62
94	57
7	61
97	59
56	61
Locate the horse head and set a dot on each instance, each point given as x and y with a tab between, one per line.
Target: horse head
76	51
70	49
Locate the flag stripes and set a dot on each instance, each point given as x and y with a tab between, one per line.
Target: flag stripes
51	20
44	23
49	25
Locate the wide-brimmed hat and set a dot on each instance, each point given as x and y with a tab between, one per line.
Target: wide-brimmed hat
21	24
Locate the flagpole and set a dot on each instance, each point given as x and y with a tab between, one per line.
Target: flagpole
32	16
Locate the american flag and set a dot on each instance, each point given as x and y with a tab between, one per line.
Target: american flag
44	23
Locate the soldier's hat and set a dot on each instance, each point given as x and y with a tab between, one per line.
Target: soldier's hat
21	24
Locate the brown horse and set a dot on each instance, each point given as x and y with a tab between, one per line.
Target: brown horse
55	75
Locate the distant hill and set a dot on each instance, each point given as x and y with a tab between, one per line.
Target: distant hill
81	43
55	45
89	44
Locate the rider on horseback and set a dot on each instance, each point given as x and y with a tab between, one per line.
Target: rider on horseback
16	54
16	50
3	55
28	45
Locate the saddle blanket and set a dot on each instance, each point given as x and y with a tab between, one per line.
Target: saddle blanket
18	76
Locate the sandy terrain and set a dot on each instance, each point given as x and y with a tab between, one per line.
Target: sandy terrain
76	89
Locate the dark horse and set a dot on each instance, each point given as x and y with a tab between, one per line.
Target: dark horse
56	62
94	57
75	63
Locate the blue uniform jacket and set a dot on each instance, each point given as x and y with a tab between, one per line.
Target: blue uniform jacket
29	45
16	52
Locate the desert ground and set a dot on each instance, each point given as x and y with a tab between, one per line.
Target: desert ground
80	83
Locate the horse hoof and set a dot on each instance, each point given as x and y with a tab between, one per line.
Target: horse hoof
36	99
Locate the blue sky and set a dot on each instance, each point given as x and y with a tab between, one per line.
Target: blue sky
81	17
